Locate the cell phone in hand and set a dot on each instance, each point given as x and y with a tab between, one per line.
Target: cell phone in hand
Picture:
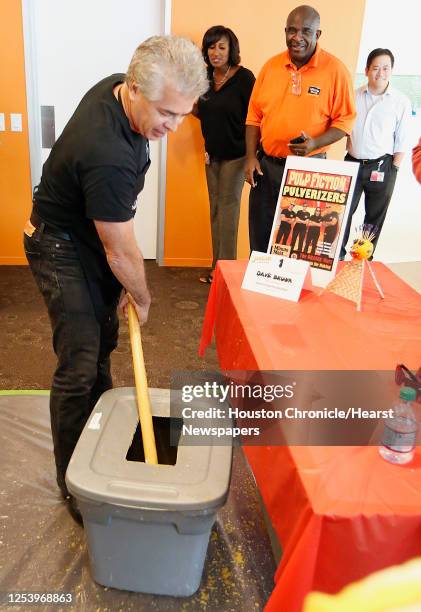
297	140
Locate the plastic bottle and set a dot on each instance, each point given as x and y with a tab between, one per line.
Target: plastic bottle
400	431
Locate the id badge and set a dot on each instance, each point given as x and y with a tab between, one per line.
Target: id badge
377	177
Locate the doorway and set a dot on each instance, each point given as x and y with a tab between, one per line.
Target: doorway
69	46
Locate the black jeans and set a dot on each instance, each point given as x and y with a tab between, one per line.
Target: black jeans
262	202
299	232
81	343
312	238
283	232
377	197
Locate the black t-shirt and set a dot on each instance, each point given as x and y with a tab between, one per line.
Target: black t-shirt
95	170
330	230
289	214
315	219
302	215
223	114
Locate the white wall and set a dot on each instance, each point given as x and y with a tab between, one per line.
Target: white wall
396	25
77	44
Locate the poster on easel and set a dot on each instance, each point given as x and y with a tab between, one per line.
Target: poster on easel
311	213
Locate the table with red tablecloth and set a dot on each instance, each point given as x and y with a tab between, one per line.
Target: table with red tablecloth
339	512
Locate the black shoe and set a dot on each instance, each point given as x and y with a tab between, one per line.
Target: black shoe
206	279
74	510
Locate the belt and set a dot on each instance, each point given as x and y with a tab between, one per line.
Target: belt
276	160
44	228
368	161
281	160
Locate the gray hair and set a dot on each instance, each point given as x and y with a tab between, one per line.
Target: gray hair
168	60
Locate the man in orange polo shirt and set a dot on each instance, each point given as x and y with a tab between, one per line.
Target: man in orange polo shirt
303	94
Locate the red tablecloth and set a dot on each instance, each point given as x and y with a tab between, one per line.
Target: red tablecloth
339	512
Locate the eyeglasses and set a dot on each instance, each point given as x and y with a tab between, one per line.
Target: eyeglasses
295	83
404	376
291	31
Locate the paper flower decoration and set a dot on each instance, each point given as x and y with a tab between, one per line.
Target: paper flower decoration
362	247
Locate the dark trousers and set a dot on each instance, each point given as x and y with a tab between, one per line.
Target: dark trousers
81	343
377	196
225	181
313	234
263	199
283	233
262	202
299	233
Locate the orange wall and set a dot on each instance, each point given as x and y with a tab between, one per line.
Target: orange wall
187	232
15	179
261	34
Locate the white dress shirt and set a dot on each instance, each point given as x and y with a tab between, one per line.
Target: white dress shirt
382	124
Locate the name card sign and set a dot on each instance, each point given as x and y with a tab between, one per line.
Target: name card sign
277	276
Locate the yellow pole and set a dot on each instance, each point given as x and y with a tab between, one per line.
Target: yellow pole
142	393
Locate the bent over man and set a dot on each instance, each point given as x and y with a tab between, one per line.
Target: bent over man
80	240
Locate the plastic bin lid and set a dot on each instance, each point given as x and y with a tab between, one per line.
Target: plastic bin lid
99	471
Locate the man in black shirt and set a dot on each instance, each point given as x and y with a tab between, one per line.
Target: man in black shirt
313	232
80	240
287	219
300	229
330	220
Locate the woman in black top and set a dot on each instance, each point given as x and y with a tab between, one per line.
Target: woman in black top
222	112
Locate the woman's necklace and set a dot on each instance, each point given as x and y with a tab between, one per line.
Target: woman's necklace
224	77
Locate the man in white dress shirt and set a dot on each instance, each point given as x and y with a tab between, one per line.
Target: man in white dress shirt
378	141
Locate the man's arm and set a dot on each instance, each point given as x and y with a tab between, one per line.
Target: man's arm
402	133
252	144
126	262
311	144
285	219
397	159
334	221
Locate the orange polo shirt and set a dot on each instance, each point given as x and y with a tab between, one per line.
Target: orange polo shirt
326	100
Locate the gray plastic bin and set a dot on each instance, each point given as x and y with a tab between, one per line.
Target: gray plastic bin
147	526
